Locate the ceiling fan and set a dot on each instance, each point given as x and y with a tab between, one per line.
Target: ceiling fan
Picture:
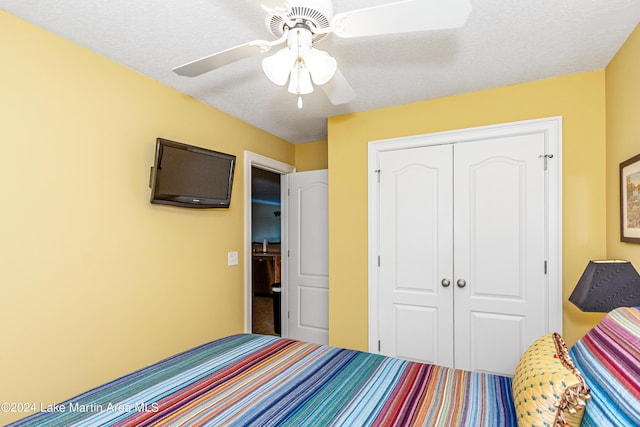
301	23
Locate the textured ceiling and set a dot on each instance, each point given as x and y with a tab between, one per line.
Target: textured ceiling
504	42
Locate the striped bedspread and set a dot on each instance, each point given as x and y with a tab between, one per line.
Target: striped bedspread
246	380
609	358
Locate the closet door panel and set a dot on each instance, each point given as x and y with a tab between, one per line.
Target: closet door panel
499	222
415	310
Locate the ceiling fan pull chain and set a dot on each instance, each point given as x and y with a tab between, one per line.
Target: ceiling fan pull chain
298	64
298	67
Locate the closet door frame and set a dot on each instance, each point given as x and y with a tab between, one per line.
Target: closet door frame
552	129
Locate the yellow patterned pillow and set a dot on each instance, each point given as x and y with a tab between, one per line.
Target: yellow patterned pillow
548	390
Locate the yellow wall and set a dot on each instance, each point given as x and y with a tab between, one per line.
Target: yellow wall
95	281
311	156
623	137
579	99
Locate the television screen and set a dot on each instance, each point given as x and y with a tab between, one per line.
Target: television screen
193	177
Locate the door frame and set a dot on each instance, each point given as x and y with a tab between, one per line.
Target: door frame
256	160
552	128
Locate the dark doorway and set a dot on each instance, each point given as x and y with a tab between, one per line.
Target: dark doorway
266	239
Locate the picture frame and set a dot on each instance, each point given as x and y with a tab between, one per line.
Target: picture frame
630	200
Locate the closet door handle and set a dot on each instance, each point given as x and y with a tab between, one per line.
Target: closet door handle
446	283
461	283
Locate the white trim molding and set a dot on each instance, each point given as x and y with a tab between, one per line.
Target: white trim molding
254	160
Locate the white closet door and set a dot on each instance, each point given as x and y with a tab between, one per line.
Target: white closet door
500	241
415	205
308	264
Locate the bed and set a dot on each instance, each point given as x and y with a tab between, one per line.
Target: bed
608	357
263	380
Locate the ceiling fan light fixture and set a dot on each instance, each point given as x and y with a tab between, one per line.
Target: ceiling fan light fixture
278	66
321	66
300	80
301	23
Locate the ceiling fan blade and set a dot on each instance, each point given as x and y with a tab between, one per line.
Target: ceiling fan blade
217	60
402	17
276	6
338	89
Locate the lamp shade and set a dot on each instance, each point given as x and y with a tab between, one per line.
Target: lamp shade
277	67
300	64
300	80
606	285
321	66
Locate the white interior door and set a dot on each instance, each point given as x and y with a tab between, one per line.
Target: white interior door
416	250
308	262
480	210
500	240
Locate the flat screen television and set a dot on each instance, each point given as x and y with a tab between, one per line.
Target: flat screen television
191	177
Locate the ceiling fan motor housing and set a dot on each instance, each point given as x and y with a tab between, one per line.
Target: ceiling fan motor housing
315	14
